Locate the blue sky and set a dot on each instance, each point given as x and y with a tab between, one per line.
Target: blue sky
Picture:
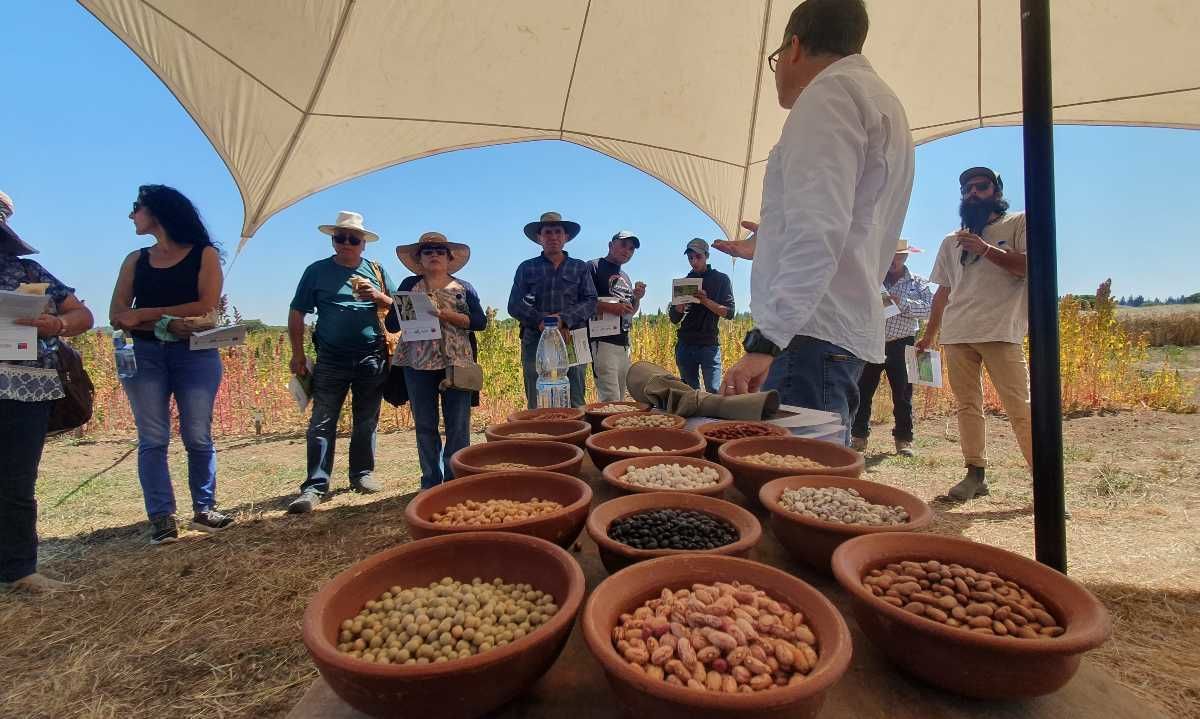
85	122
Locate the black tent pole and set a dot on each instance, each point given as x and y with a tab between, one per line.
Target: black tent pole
1050	534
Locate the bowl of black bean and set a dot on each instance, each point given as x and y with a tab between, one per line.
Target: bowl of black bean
637	527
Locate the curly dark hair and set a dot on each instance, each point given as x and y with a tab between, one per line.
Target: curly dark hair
177	215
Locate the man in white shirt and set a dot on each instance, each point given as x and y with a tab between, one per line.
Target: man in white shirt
834	198
980	315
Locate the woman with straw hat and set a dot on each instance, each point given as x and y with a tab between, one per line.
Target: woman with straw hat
434	260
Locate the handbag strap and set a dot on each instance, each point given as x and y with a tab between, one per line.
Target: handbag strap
381	313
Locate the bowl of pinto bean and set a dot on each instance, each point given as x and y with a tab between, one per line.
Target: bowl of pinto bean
718	433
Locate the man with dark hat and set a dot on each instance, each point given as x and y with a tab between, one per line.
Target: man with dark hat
980	315
698	347
553	284
610	353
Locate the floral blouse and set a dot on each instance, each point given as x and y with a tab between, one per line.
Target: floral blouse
32	380
454	347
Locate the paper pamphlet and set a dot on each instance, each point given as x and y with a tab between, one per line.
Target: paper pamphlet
418	317
578	349
218	337
890	310
18	342
301	387
604	324
924	368
684	289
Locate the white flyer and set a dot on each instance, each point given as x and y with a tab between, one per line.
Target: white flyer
890	310
579	350
604	324
418	317
218	337
924	368
18	342
684	289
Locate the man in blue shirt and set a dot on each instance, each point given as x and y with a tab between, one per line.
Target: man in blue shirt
552	284
348	294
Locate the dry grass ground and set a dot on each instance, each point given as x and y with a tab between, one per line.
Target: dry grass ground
210	626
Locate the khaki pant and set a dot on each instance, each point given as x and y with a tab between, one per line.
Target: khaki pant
1005	364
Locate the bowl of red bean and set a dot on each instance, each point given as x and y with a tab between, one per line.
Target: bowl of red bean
718	433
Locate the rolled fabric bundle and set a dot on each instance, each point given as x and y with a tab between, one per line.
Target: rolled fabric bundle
662	390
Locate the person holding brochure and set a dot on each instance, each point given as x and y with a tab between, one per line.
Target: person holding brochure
980	315
698	344
28	390
179	276
347	292
553	284
610	350
434	262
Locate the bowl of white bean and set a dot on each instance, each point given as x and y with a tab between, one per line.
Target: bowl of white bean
812	515
571	431
596	412
643	420
755	461
690	475
614	444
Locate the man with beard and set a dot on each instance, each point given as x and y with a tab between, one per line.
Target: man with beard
980	312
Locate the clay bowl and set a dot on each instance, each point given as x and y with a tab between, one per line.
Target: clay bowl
609	422
963	662
613	473
542	412
436	690
546	456
571	431
675	442
616	556
773	430
597	417
643	696
561	527
812	540
749	477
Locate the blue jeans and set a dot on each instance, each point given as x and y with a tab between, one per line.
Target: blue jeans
575	374
817	374
423	395
23	429
166	370
333	376
699	361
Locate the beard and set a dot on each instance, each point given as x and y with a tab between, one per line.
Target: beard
975	212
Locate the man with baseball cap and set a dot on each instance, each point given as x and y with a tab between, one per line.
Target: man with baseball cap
980	315
911	297
610	353
698	345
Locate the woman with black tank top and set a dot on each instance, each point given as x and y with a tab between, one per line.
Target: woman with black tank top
178	276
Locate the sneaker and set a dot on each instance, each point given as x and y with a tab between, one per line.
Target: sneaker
905	448
858	444
210	520
972	486
304	503
164	529
366	484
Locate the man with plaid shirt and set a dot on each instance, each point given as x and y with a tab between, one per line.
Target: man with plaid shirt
911	296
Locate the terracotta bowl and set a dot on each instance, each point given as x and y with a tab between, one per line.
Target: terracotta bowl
645	697
748	477
681	442
561	527
541	412
608	422
616	556
437	690
774	430
976	665
571	431
597	417
546	456
812	540
613	473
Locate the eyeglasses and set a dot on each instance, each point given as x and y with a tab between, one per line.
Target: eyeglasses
137	206
352	240
773	58
981	186
431	251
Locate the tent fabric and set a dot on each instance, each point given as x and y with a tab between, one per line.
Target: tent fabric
299	95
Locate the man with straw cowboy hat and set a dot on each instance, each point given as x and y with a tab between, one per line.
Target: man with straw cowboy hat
912	299
552	284
347	293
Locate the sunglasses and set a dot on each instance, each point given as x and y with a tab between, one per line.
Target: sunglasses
137	206
981	186
431	251
352	240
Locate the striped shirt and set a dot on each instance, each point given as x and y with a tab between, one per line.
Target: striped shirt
915	302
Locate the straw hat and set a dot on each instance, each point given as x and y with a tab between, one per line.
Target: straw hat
903	248
349	221
551	218
459	253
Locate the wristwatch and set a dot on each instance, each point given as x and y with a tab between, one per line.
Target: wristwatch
756	342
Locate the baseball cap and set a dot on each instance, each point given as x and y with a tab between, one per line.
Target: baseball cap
627	235
980	172
697	245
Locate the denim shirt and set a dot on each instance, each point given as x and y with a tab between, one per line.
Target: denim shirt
539	289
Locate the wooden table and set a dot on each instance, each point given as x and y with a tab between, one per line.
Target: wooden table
576	688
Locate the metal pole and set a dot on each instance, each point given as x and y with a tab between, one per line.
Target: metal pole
1049	507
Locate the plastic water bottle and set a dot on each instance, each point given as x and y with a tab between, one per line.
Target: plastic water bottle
553	387
123	355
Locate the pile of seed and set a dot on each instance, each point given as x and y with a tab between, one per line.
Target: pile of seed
736	431
444	621
672	476
494	511
613	409
528	435
508	465
644	420
631	448
555	415
672	529
781	461
844	506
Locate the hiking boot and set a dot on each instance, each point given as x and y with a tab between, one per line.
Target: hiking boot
210	520
304	503
904	448
972	486
858	444
366	484
163	529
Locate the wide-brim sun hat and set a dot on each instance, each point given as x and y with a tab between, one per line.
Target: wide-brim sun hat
459	253
551	218
347	220
10	242
903	248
